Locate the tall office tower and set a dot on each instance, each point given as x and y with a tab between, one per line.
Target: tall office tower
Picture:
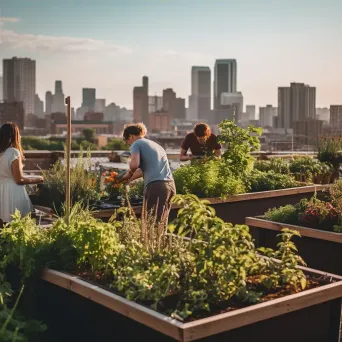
267	115
140	102
58	104
48	102
1	94
19	82
250	111
336	117
233	103
296	103
225	79
200	97
39	107
89	98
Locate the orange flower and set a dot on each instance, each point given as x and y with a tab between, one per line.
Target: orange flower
115	186
113	174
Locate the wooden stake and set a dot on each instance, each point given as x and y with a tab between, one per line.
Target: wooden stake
68	159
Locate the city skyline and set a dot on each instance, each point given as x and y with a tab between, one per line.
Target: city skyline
111	45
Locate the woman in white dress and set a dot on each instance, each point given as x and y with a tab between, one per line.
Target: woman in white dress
13	194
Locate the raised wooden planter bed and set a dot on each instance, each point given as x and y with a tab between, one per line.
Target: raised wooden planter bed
236	208
77	310
320	249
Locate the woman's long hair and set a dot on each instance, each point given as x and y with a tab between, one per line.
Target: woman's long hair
10	137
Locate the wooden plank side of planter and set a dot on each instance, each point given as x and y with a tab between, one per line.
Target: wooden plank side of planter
206	328
304	231
320	250
226	207
260	312
139	313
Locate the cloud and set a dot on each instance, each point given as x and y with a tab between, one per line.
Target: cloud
13	40
9	20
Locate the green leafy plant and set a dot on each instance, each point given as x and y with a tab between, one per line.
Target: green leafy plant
211	179
266	181
85	184
240	143
277	165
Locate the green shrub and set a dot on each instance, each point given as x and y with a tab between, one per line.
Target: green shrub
286	214
265	181
277	165
210	179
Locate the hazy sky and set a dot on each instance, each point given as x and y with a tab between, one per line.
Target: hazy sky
111	44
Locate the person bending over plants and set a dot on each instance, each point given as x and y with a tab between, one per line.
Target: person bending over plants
149	160
201	142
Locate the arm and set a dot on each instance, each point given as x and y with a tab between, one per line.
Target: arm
133	168
183	156
19	178
218	153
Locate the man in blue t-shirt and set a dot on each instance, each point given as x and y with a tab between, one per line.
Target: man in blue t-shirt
149	160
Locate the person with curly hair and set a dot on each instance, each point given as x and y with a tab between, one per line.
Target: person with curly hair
149	160
201	142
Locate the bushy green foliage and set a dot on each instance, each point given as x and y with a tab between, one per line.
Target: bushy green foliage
277	165
312	213
308	167
240	143
85	184
116	144
330	150
210	179
266	181
286	214
138	259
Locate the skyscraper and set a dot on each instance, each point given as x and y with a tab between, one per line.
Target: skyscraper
250	111
266	115
39	107
140	102
48	102
200	97
336	117
296	103
1	94
89	98
19	82
225	79
58	103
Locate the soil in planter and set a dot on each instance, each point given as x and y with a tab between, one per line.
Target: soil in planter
169	304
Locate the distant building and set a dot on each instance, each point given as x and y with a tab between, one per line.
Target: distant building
296	103
323	114
155	103
58	102
1	87
173	105
266	115
12	111
88	98
234	100
250	111
92	116
39	106
307	132
100	127
100	105
200	98
48	102
159	122
225	79
336	117
140	102
19	82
